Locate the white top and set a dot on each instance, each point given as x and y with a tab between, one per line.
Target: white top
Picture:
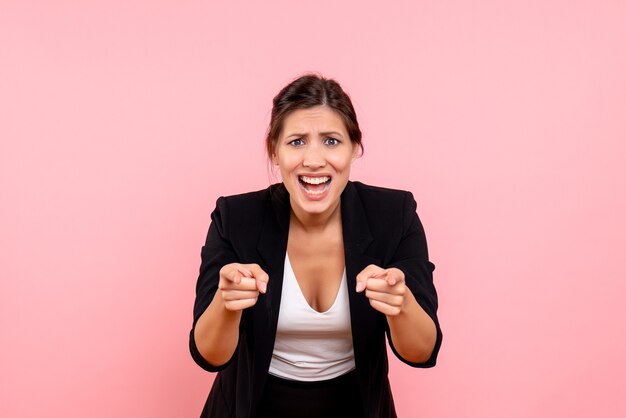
311	345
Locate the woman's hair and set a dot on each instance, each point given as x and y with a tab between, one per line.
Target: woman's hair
308	91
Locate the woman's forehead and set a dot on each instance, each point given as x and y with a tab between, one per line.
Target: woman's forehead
318	118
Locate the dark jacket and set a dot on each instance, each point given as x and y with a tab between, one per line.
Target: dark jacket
380	227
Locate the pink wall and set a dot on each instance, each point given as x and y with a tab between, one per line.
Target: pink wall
121	122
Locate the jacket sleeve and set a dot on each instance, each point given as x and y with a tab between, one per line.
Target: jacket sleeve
216	253
411	256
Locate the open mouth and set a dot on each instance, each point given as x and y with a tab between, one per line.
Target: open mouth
314	185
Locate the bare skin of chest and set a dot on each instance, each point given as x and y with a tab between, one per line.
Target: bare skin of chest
318	262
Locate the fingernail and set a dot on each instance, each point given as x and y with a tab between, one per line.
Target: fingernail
360	286
263	287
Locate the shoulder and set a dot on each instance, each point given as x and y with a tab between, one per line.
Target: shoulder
243	199
368	189
250	202
387	216
382	206
388	212
244	210
383	199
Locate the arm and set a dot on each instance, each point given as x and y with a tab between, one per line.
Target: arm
223	290
412	331
217	330
405	293
216	333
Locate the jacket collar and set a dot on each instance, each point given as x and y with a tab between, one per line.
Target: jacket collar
356	232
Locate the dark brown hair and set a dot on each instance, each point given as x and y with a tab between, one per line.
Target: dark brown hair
308	91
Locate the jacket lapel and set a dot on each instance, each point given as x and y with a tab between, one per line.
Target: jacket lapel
272	247
357	238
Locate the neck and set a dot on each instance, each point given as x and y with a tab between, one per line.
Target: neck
318	221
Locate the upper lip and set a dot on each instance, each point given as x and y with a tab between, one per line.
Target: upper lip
314	175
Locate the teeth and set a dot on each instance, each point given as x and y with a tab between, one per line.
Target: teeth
314	180
314	193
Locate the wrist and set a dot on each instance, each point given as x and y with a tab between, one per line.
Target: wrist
408	303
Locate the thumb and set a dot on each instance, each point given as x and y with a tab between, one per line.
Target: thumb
261	282
361	278
260	276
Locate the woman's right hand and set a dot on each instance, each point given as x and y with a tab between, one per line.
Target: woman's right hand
240	285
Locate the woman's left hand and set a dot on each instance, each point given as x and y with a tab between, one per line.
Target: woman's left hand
385	288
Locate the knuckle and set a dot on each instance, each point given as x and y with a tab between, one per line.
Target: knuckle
228	267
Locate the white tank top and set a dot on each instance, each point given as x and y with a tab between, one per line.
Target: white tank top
311	345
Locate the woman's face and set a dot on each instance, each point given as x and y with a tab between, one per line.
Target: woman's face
314	154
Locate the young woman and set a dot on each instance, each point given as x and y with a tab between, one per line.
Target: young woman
300	282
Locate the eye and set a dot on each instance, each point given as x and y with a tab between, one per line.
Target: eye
296	142
331	141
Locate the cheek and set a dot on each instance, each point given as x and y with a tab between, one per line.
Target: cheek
287	163
341	162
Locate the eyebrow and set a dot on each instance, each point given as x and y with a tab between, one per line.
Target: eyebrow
321	133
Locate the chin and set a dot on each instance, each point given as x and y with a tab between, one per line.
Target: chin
315	205
315	208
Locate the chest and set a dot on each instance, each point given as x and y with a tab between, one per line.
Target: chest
318	263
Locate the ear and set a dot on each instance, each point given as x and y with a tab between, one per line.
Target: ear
274	159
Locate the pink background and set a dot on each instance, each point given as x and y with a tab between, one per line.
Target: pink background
121	122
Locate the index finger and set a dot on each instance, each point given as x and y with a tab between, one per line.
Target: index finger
234	272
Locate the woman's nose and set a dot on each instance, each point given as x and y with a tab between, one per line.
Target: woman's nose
314	157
